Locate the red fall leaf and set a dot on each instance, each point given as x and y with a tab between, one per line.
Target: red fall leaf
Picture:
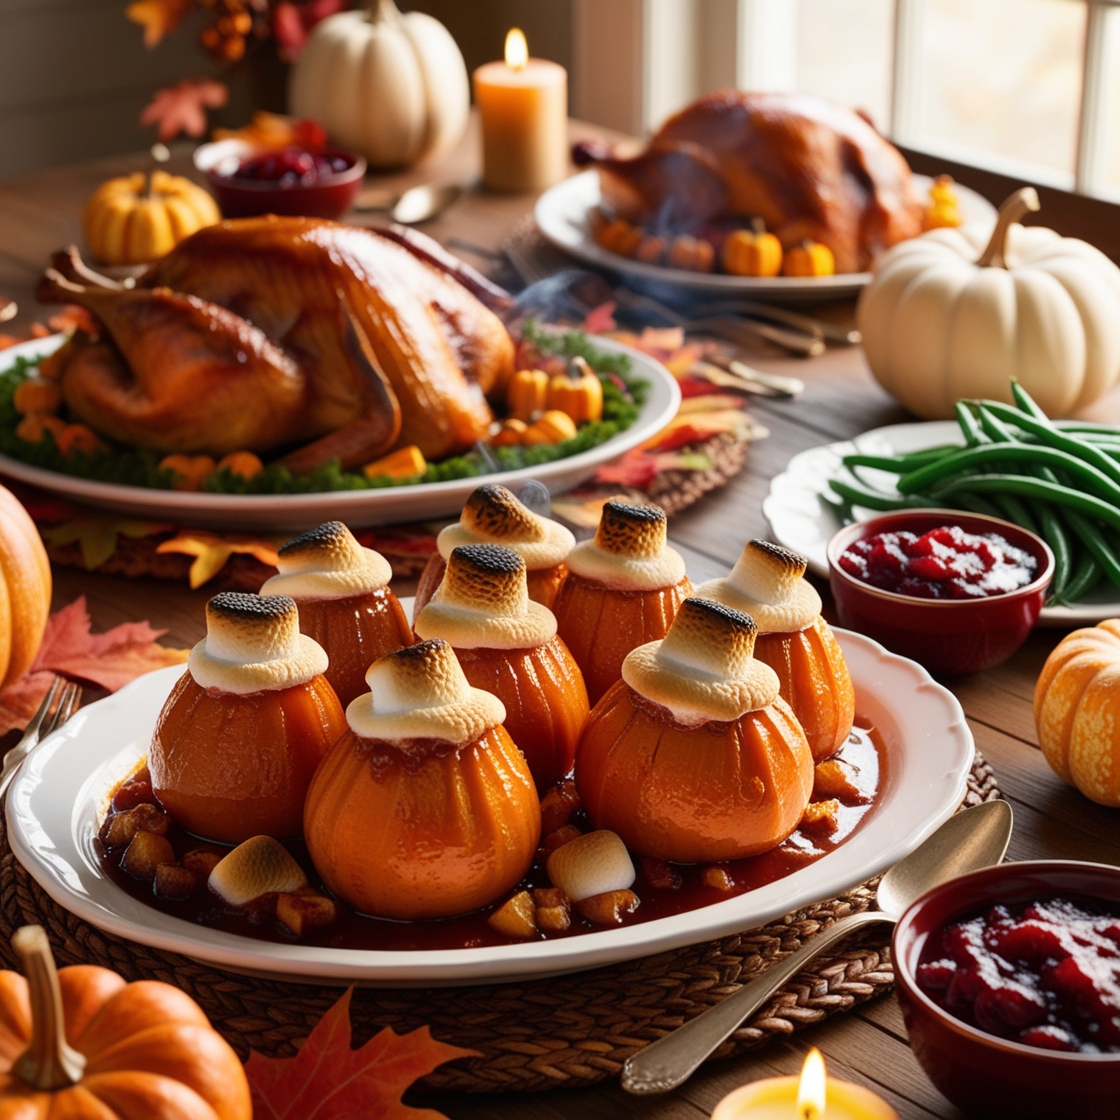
182	107
327	1080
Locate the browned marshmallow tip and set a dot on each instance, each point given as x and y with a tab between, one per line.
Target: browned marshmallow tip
493	512
710	637
243	627
486	577
638	532
259	866
327	563
324	540
592	864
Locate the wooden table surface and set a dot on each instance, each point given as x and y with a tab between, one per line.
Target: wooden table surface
40	213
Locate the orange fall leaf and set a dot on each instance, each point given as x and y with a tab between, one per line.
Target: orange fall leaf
158	17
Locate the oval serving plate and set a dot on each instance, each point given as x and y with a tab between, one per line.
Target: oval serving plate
296	512
59	797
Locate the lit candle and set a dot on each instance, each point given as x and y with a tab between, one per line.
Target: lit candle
523	103
812	1096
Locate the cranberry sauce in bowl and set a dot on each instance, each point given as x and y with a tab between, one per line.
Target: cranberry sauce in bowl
290	167
956	592
942	563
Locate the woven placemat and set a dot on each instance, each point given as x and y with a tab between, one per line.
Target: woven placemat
541	1034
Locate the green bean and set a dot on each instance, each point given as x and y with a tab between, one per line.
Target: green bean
1056	439
995	429
898	464
1085	577
1026	402
972	458
1015	511
1093	539
1053	532
1023	487
975	504
873	499
973	436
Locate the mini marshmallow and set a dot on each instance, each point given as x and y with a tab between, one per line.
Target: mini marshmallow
260	865
592	864
493	515
704	668
420	692
629	550
327	563
253	644
767	583
483	603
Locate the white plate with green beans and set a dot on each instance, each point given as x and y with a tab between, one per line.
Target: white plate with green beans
1061	479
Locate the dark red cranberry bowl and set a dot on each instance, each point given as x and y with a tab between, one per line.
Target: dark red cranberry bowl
956	592
1030	951
294	181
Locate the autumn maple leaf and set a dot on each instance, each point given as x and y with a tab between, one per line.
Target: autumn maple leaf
158	17
327	1080
182	107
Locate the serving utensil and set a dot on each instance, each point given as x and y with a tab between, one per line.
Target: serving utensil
415	205
59	704
968	841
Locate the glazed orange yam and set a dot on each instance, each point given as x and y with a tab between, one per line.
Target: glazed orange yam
814	681
545	701
355	632
227	767
693	794
416	829
601	624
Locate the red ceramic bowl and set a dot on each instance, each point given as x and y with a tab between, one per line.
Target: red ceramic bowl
949	637
329	197
981	1074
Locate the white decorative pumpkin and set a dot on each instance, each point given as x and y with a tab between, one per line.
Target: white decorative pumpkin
945	317
393	87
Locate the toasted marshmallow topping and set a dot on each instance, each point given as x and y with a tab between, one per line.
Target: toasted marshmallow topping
253	644
767	584
483	603
327	563
591	864
629	550
493	515
704	669
260	865
420	692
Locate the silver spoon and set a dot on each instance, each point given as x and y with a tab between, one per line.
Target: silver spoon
966	842
417	204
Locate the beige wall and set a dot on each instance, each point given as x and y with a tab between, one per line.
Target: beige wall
74	74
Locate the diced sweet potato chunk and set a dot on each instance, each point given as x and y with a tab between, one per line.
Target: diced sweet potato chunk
145	853
834	778
202	862
303	911
516	917
659	873
608	908
821	816
558	806
137	789
560	837
553	909
174	882
120	828
717	877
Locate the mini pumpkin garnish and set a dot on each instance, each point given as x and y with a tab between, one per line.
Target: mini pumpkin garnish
768	583
691	253
508	645
345	604
623	589
527	393
552	426
693	756
405	462
493	515
752	252
578	392
242	732
424	808
810	258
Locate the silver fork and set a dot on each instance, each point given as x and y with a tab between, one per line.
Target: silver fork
59	704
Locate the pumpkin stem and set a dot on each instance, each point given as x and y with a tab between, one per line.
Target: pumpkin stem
49	1062
382	11
1024	200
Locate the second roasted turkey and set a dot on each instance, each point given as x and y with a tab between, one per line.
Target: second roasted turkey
271	333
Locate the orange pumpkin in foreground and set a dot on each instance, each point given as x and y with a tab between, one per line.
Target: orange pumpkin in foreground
1077	711
25	589
693	756
623	590
241	734
424	808
508	646
82	1044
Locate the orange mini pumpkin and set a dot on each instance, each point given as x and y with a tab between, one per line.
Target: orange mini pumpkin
424	808
241	734
493	515
1077	711
508	646
83	1044
25	589
693	756
623	589
768	583
342	591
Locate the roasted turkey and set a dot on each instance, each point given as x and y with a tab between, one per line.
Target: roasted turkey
267	333
809	169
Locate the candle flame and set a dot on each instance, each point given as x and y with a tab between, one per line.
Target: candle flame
811	1088
517	49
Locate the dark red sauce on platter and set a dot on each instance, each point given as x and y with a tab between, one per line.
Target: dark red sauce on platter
865	759
943	563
